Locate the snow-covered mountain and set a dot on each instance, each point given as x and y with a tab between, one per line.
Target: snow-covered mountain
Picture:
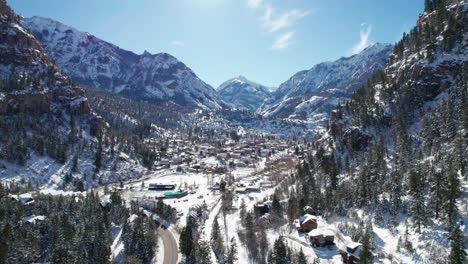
311	94
243	94
91	61
42	88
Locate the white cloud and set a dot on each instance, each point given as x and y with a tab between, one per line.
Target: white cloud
254	3
364	40
285	20
283	40
277	22
178	43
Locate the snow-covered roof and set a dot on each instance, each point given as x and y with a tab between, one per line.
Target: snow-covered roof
33	218
25	198
353	245
355	249
321	232
307	217
132	218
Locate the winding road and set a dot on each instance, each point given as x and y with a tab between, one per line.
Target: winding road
171	251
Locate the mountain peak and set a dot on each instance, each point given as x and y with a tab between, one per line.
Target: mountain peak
147	77
312	94
242	78
243	93
378	46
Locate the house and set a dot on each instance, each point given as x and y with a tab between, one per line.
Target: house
177	194
215	187
351	254
33	219
267	184
196	167
306	223
309	210
321	237
240	190
251	189
164	163
25	198
241	164
261	209
105	200
176	161
160	187
265	152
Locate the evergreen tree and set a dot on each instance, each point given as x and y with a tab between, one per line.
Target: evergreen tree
232	253
250	236
242	211
202	252
186	244
280	252
301	258
276	208
418	205
263	245
98	157
452	192
436	188
457	251
428	6
216	239
365	257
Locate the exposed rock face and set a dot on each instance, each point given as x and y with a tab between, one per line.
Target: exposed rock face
420	71
45	88
149	78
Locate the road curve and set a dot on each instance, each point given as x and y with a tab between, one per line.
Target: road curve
171	251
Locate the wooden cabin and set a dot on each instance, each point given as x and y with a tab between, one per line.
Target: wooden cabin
351	254
306	223
321	237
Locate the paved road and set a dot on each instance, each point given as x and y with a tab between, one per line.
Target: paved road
171	251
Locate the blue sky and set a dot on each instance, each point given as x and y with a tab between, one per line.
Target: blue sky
265	40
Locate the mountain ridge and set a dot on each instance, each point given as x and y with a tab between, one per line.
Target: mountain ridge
91	61
311	94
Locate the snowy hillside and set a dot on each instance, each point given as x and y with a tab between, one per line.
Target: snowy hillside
91	61
49	134
312	94
397	151
243	94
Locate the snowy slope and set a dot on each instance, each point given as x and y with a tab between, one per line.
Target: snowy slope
243	94
311	94
43	104
147	77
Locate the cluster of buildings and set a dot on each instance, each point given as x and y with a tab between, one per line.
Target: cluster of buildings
216	156
320	237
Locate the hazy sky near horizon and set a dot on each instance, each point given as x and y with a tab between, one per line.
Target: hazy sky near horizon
265	40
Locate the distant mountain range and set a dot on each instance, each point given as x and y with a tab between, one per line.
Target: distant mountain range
312	94
244	94
156	78
151	78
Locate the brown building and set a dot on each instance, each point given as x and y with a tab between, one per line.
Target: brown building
351	254
306	223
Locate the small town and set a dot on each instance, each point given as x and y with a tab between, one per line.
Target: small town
234	132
